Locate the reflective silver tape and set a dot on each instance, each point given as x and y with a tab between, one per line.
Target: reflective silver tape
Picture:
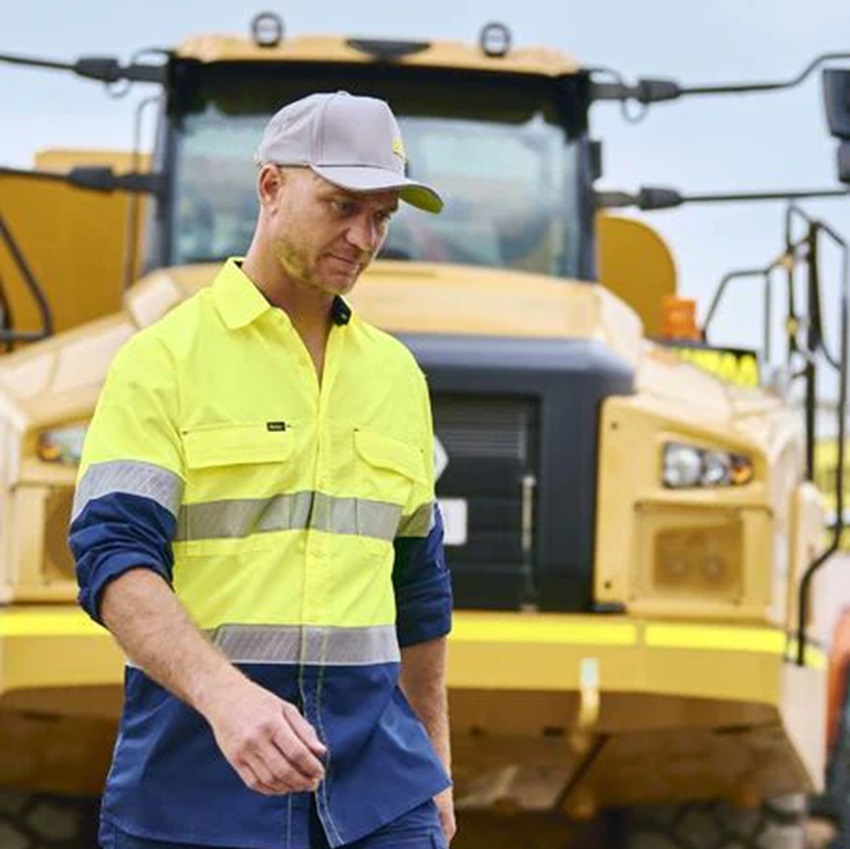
419	523
130	477
234	519
308	644
375	519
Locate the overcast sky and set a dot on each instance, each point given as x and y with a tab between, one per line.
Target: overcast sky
699	145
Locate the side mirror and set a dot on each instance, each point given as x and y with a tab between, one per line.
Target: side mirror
836	101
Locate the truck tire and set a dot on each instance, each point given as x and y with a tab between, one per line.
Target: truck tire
778	823
38	821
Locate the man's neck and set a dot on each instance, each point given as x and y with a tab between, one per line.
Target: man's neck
309	310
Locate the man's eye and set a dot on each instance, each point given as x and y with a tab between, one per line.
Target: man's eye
343	207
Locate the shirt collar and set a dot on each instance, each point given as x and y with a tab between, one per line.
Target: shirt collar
240	302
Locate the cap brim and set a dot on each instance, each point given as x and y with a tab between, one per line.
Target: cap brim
361	178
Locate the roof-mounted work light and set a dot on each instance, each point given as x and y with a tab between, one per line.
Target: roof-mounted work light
495	39
267	29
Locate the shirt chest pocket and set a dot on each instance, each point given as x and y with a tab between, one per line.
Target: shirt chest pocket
244	461
387	468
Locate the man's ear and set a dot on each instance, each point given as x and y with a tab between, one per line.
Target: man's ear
270	182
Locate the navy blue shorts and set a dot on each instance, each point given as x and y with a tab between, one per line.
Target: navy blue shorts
417	829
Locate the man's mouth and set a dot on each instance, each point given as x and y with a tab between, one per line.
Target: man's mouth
351	263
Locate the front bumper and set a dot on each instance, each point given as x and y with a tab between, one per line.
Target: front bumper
576	711
586	711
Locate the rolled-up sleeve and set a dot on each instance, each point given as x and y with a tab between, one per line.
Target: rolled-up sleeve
421	576
423	588
130	483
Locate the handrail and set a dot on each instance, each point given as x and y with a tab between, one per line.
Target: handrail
807	342
34	287
794	210
818	227
786	260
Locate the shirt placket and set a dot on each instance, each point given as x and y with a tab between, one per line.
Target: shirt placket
315	552
318	579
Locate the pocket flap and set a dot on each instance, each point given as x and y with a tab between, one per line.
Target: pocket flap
388	453
235	445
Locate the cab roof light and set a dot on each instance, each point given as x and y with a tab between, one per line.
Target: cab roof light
495	39
267	29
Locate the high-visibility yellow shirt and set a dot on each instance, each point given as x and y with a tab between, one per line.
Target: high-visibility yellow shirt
296	522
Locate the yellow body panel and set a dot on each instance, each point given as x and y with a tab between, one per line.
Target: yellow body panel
643	283
409	297
73	239
764	539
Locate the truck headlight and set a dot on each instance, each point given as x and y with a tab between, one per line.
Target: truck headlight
62	445
688	466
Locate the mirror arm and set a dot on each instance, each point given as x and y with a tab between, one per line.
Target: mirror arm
656	197
97	179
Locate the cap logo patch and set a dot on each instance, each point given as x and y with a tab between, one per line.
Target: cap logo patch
398	149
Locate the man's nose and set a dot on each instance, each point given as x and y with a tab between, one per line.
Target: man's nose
363	234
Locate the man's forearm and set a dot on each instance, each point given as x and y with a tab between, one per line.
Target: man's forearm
423	679
265	739
155	632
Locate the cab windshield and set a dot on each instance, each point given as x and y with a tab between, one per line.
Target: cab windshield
501	153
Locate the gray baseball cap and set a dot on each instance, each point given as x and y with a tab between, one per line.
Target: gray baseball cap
353	142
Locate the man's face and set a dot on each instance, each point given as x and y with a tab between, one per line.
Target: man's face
323	236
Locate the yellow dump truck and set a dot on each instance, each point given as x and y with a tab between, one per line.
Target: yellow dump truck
628	533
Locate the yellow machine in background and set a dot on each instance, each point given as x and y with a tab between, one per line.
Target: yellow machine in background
628	533
76	241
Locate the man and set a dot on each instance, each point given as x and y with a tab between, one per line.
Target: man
255	523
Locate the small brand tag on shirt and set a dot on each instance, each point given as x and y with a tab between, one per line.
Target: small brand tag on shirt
273	426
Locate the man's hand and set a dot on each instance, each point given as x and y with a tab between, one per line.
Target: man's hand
446	807
265	739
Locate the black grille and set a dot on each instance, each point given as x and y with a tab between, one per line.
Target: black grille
518	419
492	449
499	428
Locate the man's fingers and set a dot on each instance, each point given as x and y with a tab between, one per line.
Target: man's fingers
305	732
268	772
272	747
286	771
296	753
252	780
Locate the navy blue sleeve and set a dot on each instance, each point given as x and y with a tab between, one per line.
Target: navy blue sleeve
116	533
423	589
